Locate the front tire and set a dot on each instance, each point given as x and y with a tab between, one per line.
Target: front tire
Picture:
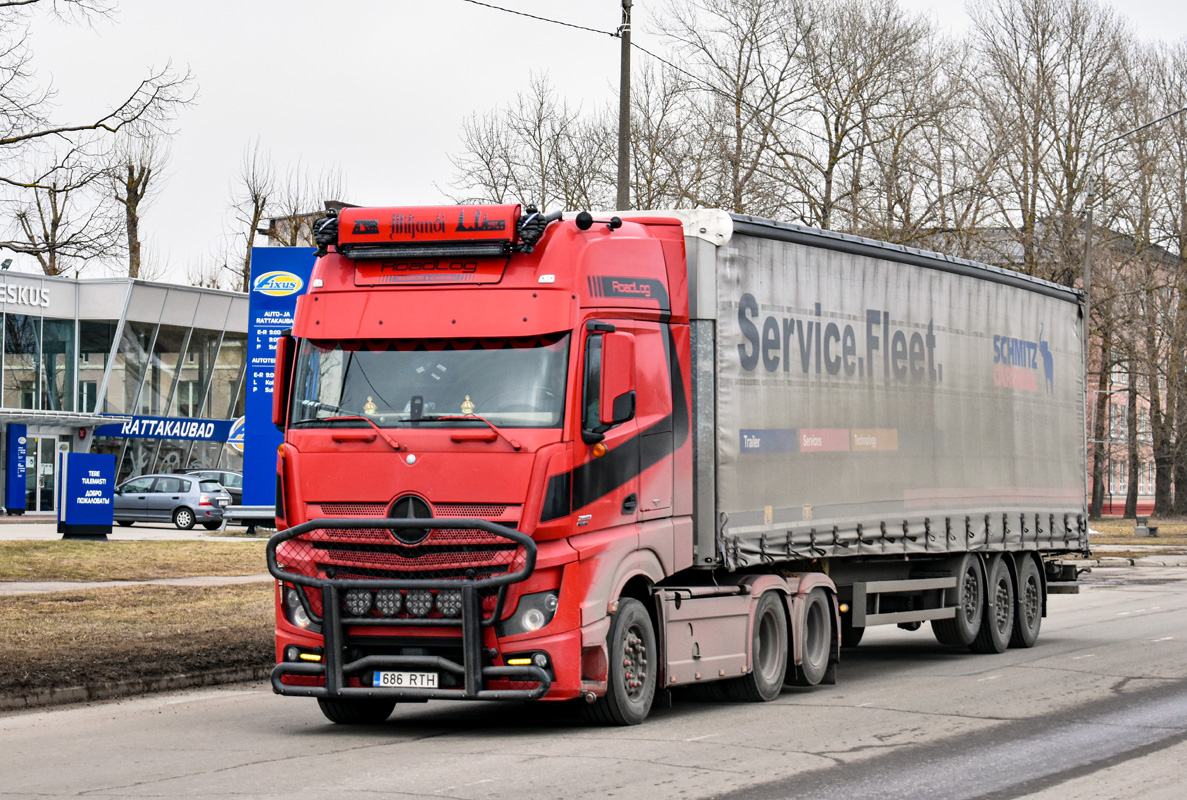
371	711
997	621
768	654
816	641
962	630
183	518
1028	616
634	664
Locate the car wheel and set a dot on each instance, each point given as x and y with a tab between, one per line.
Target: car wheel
212	526
183	518
125	522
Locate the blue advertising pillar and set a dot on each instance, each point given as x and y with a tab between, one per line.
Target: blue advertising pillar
86	491
16	449
279	276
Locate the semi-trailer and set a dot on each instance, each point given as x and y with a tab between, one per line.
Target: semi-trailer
591	457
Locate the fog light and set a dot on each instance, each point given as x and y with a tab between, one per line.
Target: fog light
540	660
389	602
358	602
419	602
449	602
291	653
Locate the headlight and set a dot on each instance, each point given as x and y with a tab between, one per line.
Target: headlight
419	602
389	602
449	602
533	613
294	610
358	602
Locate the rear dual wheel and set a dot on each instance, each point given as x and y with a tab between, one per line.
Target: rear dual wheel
768	654
817	641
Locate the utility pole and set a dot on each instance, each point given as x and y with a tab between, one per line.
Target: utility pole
624	111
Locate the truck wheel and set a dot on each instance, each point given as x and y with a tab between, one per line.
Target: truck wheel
370	711
183	518
1028	616
850	634
997	624
816	642
961	630
768	654
634	661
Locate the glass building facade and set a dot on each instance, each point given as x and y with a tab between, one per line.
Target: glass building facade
85	359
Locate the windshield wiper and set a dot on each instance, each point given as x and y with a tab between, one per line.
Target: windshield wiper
467	417
353	418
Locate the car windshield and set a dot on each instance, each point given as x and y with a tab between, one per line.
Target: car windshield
512	382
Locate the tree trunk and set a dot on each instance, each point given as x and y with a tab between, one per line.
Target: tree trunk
1131	437
1098	431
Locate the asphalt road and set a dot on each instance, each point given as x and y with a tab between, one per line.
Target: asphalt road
1097	709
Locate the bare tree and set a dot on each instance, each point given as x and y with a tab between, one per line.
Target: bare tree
62	218
250	203
25	106
1049	80
299	199
745	58
134	178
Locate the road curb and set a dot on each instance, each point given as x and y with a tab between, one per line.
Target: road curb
111	691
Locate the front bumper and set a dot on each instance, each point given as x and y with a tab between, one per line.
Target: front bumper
335	674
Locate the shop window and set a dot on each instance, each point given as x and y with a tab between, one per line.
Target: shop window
57	365
127	373
95	338
22	348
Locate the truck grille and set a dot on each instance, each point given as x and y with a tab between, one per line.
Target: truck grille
444	554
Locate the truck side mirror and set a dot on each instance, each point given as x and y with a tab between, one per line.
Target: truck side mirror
286	353
617	402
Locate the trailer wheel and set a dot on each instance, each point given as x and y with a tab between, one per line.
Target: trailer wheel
816	641
370	711
768	654
634	661
1028	615
961	630
997	625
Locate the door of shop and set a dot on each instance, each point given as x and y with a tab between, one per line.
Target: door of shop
41	471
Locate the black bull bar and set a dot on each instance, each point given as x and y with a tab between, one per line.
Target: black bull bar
336	670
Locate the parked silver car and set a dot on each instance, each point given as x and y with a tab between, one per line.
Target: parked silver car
181	499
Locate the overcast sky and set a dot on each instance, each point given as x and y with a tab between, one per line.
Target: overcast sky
378	89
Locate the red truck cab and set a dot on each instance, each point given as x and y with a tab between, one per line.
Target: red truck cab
486	461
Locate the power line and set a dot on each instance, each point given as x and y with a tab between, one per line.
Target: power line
613	35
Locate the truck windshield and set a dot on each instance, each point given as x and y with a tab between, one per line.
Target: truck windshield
512	382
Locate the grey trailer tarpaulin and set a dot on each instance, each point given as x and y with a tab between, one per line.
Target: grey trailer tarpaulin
872	399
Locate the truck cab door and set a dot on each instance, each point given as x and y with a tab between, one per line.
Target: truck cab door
606	472
654	420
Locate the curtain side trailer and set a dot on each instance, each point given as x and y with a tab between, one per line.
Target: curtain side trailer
597	457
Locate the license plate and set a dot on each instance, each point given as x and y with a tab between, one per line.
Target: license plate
223	503
405	680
